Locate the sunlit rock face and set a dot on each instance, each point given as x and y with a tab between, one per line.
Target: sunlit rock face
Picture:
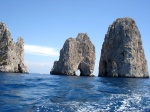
11	53
76	54
122	54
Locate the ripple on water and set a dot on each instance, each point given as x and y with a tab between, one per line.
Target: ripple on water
35	92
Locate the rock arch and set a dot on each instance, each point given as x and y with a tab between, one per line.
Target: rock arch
76	54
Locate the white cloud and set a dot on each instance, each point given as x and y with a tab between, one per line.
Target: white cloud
40	64
41	50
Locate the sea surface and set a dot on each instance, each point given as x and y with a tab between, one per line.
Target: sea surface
54	93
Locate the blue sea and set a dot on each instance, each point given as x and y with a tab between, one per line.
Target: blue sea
54	93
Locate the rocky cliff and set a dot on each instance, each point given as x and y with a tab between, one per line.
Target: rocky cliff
11	53
122	54
76	54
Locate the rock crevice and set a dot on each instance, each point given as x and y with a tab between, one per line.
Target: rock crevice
76	54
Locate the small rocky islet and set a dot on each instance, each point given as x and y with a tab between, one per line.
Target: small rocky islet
11	53
122	54
76	54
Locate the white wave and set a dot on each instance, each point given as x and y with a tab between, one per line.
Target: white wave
114	102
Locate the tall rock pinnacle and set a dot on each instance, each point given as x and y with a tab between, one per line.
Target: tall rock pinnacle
122	54
11	54
76	54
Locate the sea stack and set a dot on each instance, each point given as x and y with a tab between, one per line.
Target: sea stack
76	54
122	54
11	53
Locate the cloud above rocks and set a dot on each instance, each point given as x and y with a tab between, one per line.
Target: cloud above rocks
40	50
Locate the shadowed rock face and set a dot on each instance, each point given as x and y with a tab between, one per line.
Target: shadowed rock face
11	54
122	54
76	54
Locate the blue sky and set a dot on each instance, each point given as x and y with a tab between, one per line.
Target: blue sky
45	25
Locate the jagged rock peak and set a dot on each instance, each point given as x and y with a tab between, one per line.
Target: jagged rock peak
11	53
83	37
76	54
122	54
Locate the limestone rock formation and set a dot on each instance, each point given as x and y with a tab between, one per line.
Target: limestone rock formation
76	54
122	54
11	53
